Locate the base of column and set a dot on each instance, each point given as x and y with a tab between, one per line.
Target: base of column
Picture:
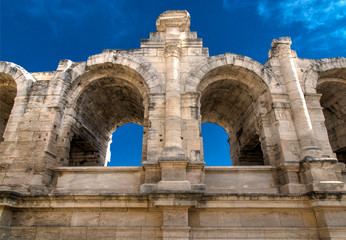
293	188
148	188
174	186
173	154
320	175
173	163
198	187
288	174
325	186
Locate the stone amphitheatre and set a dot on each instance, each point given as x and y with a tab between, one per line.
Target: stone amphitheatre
286	122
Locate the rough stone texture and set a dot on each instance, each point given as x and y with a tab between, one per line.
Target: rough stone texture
286	123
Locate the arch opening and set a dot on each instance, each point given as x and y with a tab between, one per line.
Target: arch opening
216	145
126	146
231	102
8	92
333	101
104	105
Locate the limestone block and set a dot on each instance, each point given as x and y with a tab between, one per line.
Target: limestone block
291	219
85	218
208	219
302	234
195	174
151	233
251	219
101	233
258	233
125	233
47	233
334	218
230	179
173	171
99	179
275	233
5	218
23	233
62	218
152	174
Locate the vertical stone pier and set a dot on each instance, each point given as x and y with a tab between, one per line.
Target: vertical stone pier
312	159
173	161
282	51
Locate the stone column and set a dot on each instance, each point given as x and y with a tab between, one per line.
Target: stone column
318	119
302	122
316	171
286	150
173	143
173	26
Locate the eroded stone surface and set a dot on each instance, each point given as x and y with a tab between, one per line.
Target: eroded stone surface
286	127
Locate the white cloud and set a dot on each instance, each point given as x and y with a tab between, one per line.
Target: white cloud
324	20
263	10
339	33
311	13
317	43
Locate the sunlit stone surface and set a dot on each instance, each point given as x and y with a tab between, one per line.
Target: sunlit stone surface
286	127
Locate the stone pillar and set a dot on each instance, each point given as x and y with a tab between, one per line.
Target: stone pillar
316	171
173	142
302	122
173	26
286	149
318	119
155	143
299	141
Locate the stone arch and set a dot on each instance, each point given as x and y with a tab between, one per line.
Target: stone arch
206	65
320	69
15	85
233	91
150	76
115	94
22	78
328	78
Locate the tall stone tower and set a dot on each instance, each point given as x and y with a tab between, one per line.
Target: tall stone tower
285	119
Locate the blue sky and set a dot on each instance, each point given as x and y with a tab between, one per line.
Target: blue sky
37	34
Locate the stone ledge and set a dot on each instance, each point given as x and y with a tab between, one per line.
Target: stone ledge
191	198
237	168
98	169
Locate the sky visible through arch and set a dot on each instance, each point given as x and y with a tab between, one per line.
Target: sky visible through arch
127	142
37	34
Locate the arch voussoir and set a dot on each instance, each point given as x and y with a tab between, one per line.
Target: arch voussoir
312	74
144	69
22	78
206	65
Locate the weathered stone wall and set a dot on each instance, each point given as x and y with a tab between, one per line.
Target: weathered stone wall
286	127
